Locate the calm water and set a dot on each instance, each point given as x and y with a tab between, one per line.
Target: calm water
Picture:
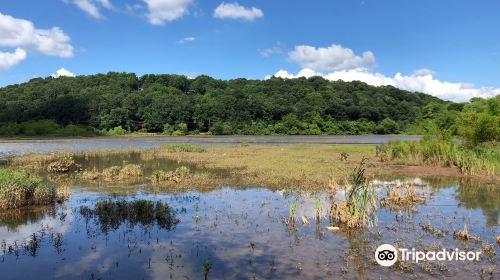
242	234
19	147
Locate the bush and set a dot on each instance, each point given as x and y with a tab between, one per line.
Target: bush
119	130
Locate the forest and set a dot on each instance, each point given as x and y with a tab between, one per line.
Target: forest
121	103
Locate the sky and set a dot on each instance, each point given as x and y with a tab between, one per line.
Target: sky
447	48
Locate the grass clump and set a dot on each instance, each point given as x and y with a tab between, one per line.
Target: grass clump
176	176
64	164
18	189
184	148
359	208
401	197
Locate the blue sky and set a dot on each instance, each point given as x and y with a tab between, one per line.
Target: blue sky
438	47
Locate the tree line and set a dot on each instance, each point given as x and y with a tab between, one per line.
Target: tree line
173	104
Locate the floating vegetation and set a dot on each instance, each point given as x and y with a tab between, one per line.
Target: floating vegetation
184	148
359	209
401	197
498	240
305	221
19	188
111	214
64	164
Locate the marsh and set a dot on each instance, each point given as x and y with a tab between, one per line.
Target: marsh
227	208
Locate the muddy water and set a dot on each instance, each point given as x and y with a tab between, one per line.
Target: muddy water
21	147
242	234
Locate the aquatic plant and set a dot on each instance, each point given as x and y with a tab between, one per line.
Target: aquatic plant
401	197
18	189
318	208
359	208
293	209
130	171
480	160
64	164
176	176
184	148
206	268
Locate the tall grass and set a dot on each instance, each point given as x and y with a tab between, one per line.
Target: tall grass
480	160
359	208
361	199
18	189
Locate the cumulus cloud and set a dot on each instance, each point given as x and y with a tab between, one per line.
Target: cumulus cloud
186	40
235	11
9	59
62	73
332	58
419	81
91	7
161	12
338	63
20	33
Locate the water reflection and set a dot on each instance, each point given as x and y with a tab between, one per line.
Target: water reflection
241	234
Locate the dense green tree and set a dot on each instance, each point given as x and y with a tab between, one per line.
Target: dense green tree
173	103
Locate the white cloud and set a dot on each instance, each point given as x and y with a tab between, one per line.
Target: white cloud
162	11
8	59
338	63
20	33
62	73
88	7
235	11
91	6
186	40
105	3
419	81
332	58
271	51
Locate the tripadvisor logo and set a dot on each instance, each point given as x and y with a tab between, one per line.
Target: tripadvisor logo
387	255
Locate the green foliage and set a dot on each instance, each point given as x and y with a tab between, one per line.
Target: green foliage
275	106
482	159
18	189
117	131
361	199
44	127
